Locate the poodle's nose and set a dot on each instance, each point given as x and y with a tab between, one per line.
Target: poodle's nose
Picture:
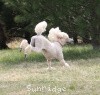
70	40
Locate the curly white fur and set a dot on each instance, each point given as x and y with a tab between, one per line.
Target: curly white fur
41	27
28	49
25	47
23	44
51	49
55	35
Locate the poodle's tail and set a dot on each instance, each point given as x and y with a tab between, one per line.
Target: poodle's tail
40	27
56	35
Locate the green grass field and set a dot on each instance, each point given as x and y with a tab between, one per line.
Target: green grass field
30	77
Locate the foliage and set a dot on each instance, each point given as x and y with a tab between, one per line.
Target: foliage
76	17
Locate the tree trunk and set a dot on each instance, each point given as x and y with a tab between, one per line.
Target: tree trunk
2	38
28	36
75	38
95	26
86	39
96	39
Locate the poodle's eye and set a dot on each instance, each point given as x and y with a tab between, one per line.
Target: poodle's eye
59	37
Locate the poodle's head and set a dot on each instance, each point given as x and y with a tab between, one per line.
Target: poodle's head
40	27
63	38
56	35
53	34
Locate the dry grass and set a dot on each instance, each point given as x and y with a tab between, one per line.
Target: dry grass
82	79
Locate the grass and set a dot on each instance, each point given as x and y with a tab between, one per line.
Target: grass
83	78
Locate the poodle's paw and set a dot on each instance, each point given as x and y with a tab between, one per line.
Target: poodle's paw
67	65
50	68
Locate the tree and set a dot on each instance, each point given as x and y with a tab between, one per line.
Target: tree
95	23
2	34
76	17
2	38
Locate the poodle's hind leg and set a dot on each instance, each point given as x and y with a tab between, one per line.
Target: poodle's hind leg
49	64
64	63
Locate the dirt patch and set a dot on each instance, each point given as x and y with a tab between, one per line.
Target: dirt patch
14	42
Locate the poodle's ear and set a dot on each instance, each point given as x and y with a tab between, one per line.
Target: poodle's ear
40	27
62	38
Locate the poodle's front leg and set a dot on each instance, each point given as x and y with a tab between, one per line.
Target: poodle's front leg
64	63
49	64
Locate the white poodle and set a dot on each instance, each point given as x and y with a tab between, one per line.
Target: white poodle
52	48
